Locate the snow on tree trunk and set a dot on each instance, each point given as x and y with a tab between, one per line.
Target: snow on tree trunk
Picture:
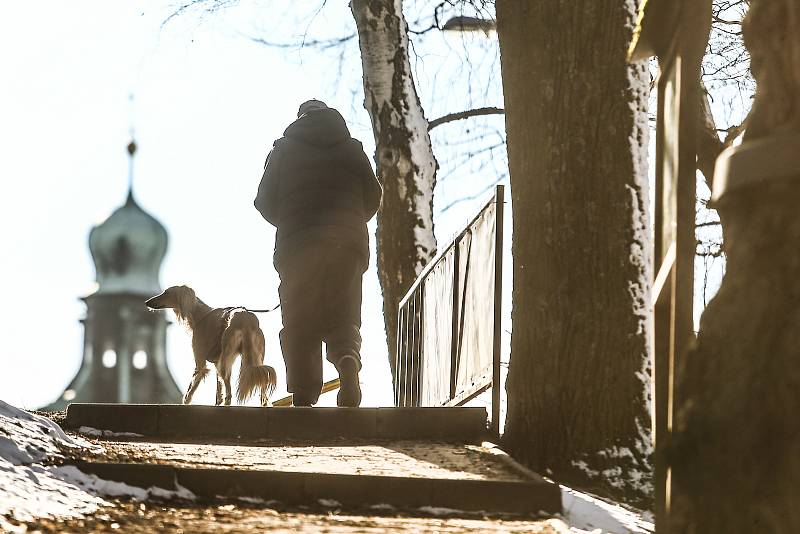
736	447
579	378
405	161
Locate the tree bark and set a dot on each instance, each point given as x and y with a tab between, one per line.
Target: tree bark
736	448
404	157
579	378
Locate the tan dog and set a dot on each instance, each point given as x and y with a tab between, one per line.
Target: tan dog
219	335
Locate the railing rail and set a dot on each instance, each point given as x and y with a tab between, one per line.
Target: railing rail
448	326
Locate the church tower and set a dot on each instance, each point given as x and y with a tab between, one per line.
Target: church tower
124	353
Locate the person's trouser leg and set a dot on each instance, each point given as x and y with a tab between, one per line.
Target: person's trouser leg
343	341
301	337
343	322
302	355
344	352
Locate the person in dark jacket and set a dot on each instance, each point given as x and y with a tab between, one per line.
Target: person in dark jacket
318	189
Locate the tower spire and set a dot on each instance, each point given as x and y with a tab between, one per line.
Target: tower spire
131	151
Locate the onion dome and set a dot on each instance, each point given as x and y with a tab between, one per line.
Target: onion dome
128	248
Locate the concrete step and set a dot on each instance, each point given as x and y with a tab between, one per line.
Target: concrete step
179	422
497	496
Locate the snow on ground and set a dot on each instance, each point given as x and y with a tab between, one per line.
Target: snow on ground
32	486
27	439
95	433
583	514
587	514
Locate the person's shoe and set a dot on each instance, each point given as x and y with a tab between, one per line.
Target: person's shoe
349	389
303	398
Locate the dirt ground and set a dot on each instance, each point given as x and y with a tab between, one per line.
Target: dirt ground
141	518
395	458
406	458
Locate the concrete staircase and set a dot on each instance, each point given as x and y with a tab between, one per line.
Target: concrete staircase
404	457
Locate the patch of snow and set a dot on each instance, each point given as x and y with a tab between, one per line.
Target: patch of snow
32	488
97	433
93	484
255	500
26	438
383	507
630	471
586	514
329	503
439	510
109	488
35	491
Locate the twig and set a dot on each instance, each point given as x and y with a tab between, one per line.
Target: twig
450	117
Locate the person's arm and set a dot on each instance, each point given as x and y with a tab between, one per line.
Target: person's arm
373	192
267	200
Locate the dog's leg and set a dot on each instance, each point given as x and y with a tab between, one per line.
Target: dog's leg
224	375
197	377
228	390
231	340
219	390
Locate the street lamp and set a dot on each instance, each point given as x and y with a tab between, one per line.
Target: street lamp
470	24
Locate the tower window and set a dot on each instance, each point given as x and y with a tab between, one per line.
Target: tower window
140	359
109	358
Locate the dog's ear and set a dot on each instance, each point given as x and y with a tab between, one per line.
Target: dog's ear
185	299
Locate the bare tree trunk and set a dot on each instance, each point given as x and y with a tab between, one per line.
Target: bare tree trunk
578	384
736	451
405	160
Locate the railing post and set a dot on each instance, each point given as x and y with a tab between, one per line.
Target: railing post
413	353
454	319
417	354
399	355
498	304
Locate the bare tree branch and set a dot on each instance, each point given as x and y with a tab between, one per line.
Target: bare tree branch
450	117
207	6
318	43
476	195
709	145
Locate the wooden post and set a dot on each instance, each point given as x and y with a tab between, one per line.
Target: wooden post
677	32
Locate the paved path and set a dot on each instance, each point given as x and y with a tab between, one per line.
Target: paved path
308	470
136	518
408	457
388	458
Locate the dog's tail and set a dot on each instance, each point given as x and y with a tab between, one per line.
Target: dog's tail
253	375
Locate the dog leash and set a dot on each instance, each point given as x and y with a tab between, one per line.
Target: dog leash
231	308
261	311
228	309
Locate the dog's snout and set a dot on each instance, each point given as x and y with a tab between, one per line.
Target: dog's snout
153	304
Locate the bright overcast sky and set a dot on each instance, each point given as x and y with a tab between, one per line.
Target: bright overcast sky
208	104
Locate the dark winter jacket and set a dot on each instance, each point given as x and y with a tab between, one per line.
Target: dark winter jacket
318	185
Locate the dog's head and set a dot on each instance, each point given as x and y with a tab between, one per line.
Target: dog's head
180	299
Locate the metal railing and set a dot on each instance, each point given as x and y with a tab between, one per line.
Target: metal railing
448	327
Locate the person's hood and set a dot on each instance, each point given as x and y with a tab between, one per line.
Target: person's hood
324	127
